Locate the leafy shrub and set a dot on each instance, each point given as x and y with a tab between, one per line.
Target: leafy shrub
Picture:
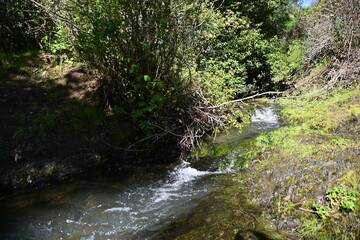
270	16
287	60
237	62
343	197
168	64
22	25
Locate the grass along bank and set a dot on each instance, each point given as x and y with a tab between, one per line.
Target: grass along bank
300	181
306	174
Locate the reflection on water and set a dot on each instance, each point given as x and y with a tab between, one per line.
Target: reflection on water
125	204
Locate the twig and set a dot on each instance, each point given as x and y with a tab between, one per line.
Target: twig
307	210
167	131
56	16
125	149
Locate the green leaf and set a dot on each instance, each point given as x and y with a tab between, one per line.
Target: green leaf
147	78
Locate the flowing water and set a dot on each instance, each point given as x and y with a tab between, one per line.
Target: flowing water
262	120
133	203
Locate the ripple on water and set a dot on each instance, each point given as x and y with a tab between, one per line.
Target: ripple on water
137	208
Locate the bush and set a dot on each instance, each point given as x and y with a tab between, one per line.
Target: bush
237	62
143	51
21	25
168	63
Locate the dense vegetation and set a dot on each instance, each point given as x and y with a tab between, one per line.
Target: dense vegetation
169	64
165	64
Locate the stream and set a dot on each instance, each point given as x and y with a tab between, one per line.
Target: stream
134	203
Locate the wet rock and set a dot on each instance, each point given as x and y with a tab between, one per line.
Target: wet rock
203	164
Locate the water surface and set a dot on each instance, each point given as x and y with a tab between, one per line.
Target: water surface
134	203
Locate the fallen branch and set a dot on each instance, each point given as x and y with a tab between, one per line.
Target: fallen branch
243	99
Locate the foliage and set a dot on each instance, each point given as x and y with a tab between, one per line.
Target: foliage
151	58
167	64
237	62
287	60
342	197
322	211
270	16
57	41
246	57
22	25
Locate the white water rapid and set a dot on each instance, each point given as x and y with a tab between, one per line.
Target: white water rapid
135	209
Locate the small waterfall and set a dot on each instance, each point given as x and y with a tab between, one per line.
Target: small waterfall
265	119
267	115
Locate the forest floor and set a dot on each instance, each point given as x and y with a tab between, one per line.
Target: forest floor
51	126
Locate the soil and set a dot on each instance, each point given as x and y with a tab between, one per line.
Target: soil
51	128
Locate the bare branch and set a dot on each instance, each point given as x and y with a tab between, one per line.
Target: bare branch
243	99
125	149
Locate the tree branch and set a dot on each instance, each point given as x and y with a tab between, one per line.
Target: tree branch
243	99
125	149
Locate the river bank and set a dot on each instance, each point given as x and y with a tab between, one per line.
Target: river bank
52	127
307	175
300	181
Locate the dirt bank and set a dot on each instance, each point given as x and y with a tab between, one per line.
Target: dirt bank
51	124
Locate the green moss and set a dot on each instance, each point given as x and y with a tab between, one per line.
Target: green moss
323	111
289	169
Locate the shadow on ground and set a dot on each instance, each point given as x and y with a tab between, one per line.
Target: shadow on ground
50	125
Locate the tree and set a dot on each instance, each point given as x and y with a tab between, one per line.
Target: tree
168	63
269	15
